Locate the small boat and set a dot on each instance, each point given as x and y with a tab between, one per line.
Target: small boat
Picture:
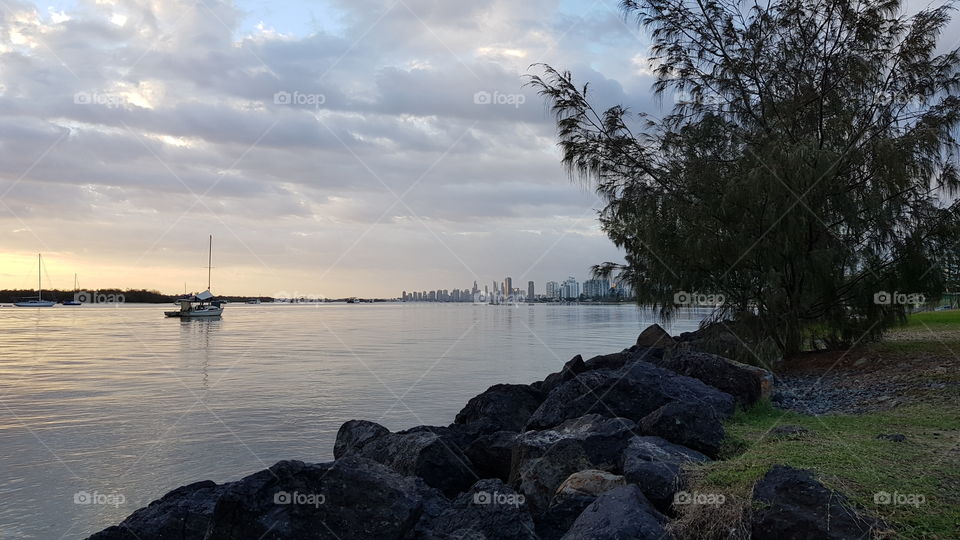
76	291
34	303
254	301
38	301
202	305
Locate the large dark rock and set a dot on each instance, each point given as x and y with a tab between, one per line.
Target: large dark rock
491	455
571	369
620	513
658	449
557	519
490	509
792	505
458	436
686	424
182	514
507	406
655	466
655	336
631	392
571	499
747	384
623	358
354	434
433	454
542	460
349	498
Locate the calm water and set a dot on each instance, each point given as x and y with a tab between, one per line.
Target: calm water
125	405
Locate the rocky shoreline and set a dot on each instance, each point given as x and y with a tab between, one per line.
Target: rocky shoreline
597	450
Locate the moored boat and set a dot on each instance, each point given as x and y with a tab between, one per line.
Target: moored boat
38	301
202	305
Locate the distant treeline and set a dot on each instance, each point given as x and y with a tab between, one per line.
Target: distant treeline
129	295
141	296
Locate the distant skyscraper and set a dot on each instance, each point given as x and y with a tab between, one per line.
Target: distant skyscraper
571	289
508	286
553	289
596	288
530	291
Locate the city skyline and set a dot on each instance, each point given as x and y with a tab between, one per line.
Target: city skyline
569	289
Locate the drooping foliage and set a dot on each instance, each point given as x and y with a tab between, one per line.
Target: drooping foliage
806	172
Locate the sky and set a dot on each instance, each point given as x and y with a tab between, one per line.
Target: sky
332	148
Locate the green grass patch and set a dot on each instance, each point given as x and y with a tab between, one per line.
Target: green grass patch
847	456
936	320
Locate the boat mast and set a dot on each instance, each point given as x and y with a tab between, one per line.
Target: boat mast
209	261
39	281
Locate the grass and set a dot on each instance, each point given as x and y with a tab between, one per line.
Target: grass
843	450
847	456
936	320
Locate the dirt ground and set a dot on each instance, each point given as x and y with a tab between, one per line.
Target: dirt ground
909	366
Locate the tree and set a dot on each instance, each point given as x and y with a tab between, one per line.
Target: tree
806	168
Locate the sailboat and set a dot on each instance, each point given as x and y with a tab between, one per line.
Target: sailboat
39	301
199	305
73	302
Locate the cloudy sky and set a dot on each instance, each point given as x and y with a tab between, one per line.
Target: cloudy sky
332	147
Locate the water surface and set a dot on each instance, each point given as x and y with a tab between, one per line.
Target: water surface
124	405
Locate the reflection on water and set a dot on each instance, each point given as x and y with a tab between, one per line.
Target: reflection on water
196	337
111	401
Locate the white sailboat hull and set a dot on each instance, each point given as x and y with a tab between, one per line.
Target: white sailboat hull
196	313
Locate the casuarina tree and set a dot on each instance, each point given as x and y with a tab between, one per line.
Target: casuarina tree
805	175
